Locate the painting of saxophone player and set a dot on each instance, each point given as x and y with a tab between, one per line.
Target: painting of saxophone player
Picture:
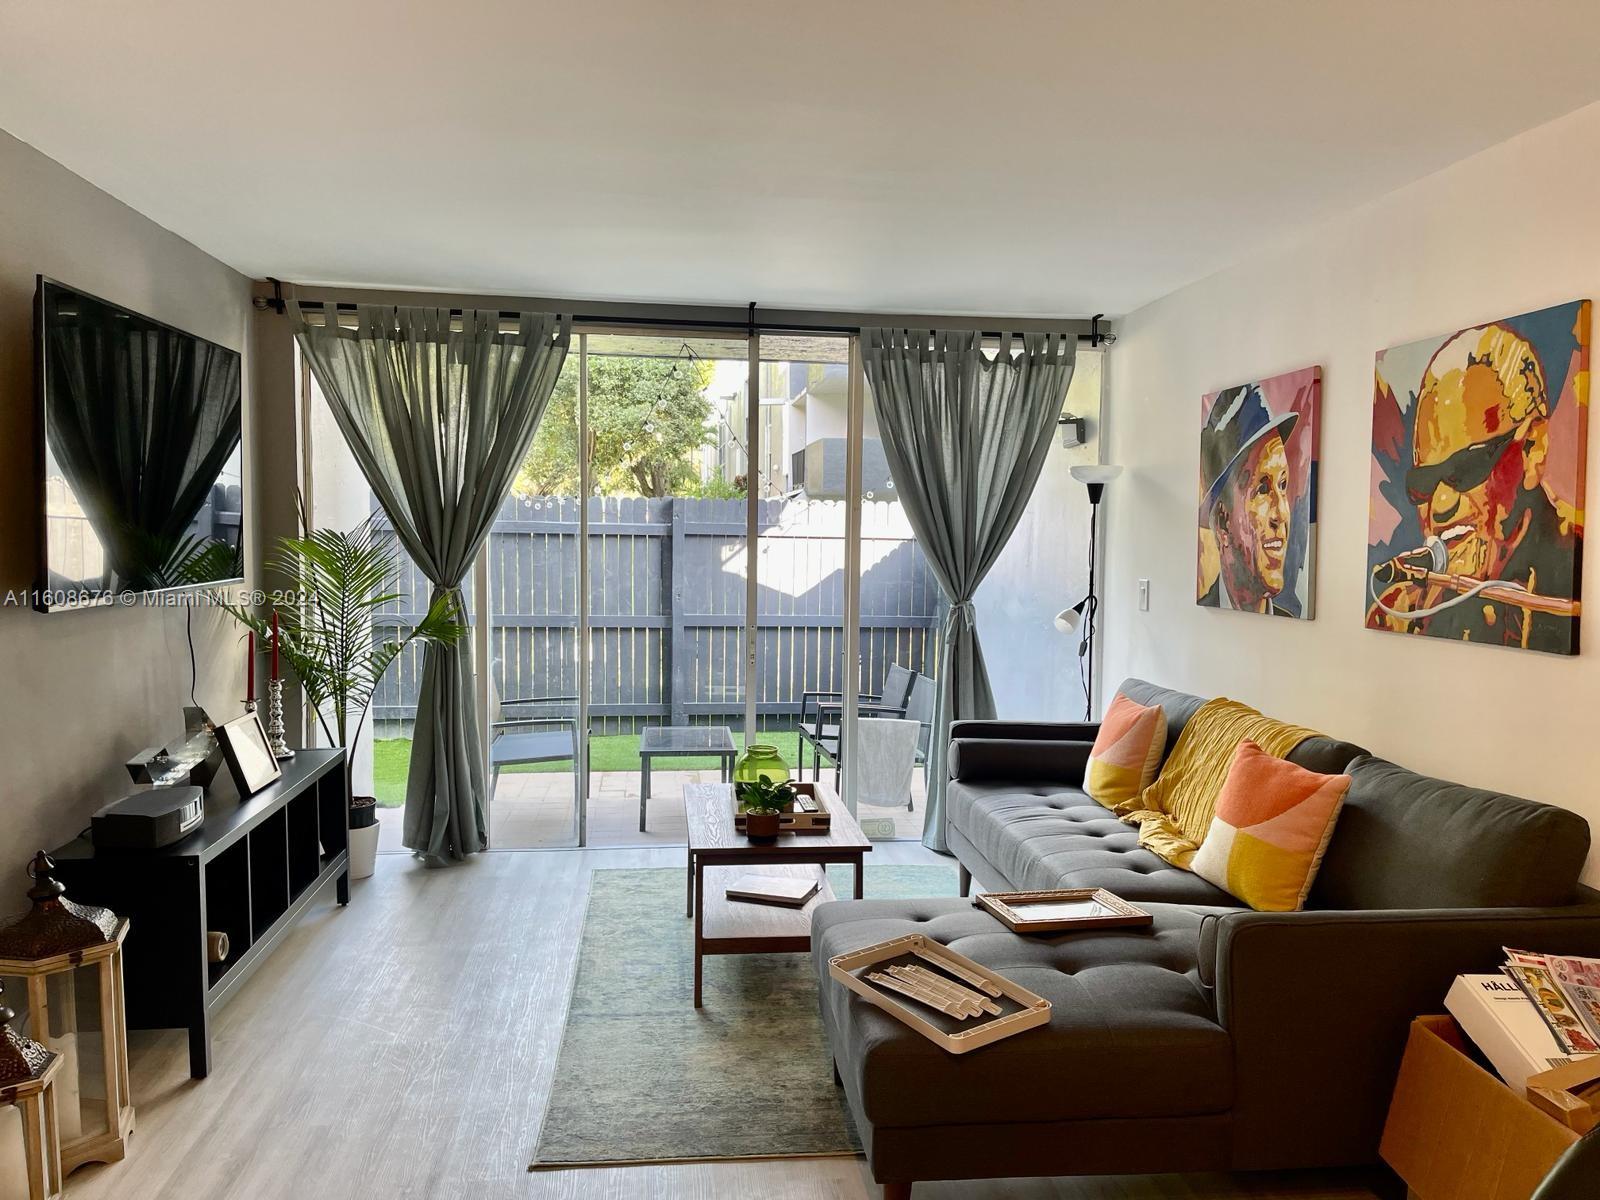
1479	441
1258	495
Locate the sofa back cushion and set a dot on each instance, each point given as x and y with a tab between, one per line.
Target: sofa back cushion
1177	707
1406	840
1324	755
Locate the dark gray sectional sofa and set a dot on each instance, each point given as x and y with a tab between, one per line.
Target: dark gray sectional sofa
1219	1038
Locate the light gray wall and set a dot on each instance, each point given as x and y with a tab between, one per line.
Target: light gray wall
82	691
1508	231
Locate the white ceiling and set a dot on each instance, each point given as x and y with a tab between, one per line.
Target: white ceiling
958	156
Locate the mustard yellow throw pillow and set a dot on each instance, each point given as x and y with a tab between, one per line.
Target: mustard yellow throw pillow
1272	827
1127	751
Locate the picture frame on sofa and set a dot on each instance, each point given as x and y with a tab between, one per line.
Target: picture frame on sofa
1058	910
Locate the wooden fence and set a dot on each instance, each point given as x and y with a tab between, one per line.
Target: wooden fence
667	604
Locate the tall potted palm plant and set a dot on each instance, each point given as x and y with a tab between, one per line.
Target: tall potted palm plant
336	583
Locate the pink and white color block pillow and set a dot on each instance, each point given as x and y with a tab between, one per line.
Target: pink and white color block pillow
1272	826
1127	752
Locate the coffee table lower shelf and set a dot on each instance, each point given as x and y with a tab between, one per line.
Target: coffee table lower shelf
741	927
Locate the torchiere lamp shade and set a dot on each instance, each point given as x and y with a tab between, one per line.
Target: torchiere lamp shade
1095	473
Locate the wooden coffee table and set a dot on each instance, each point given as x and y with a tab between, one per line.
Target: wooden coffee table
723	926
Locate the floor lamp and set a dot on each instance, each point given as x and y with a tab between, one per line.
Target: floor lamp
1082	614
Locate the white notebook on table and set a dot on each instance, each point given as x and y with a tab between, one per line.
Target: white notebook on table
791	891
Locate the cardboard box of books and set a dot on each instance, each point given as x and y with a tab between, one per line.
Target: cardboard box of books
1538	1024
1506	1026
1455	1132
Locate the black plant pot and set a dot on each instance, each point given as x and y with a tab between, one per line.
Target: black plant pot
363	811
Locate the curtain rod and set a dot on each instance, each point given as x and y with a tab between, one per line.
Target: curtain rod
1095	337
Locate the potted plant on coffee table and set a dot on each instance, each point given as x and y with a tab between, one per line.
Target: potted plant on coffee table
336	584
763	803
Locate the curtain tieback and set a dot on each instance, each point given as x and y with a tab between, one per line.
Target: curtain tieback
962	610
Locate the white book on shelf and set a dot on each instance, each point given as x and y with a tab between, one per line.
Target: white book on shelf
1503	1023
791	891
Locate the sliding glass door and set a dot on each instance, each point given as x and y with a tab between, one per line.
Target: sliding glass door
803	642
643	634
667	576
534	616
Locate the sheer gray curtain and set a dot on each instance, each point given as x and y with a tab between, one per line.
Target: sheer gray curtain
966	436
439	409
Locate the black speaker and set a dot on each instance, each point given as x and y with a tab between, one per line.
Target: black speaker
149	819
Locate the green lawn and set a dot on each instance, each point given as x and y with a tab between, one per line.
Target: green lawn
391	758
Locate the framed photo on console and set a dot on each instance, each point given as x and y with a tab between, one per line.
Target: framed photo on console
249	754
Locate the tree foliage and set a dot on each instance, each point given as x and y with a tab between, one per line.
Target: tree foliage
647	418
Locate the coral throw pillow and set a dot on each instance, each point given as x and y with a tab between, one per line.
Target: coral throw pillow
1271	829
1127	752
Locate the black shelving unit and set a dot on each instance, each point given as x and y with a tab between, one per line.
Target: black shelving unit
249	873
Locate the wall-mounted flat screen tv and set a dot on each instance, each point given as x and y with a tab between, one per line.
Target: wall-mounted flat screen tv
139	445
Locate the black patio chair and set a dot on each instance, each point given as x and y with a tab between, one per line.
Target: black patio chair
916	704
517	741
822	734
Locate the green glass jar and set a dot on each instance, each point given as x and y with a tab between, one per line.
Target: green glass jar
760	760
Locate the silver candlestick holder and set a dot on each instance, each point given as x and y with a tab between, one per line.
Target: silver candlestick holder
280	748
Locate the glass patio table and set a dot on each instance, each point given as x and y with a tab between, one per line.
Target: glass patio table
683	741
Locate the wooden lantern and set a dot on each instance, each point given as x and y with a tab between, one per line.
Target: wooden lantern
30	1141
63	962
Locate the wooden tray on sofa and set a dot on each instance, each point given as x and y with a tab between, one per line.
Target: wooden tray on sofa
1014	1008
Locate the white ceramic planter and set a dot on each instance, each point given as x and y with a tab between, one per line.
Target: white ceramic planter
364	851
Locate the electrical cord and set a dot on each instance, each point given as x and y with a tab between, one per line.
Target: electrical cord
188	630
1083	650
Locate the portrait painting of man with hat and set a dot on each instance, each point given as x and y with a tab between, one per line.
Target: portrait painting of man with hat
1258	495
1478	447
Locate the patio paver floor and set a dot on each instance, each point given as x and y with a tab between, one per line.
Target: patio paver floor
534	811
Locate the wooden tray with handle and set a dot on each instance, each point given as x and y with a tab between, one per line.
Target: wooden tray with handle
794	821
957	1004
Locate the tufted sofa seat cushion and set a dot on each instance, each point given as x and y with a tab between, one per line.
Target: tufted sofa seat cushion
1048	836
1132	1031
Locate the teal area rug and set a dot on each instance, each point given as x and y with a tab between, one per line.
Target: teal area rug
645	1077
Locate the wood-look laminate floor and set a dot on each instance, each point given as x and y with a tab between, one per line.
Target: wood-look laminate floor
402	1048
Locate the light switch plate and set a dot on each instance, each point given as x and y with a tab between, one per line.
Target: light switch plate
1144	595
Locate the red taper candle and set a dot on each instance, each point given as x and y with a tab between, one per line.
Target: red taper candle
250	668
